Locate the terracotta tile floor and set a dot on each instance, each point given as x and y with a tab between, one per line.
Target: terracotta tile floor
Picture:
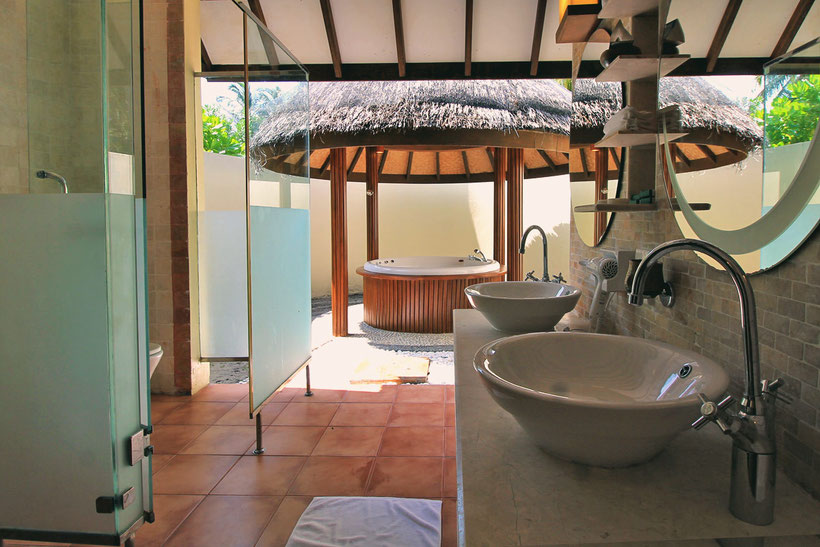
381	441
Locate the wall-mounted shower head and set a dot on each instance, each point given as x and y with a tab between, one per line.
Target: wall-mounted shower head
43	174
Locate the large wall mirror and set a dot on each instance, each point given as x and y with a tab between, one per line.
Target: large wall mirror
743	168
595	172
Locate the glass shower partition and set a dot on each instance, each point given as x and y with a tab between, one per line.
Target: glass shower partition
278	202
72	278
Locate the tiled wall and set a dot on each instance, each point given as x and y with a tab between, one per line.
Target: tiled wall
705	318
13	106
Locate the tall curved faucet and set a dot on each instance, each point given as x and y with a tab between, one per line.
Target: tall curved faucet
523	245
752	428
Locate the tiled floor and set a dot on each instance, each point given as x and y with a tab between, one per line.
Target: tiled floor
210	490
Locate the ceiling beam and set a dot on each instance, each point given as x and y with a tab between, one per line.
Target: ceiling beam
355	159
382	162
614	154
497	70
792	27
468	39
547	158
438	166
399	26
722	33
537	34
584	165
708	151
206	59
325	164
683	156
409	165
491	157
332	41
466	164
267	43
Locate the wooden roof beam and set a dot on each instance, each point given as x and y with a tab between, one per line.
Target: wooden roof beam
491	157
207	65
547	158
438	166
537	34
584	166
615	158
267	43
797	18
468	39
722	33
355	159
383	160
332	41
399	26
409	165
708	151
325	164
683	156
466	164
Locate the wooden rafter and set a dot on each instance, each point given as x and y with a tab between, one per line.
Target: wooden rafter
207	65
468	40
399	26
332	41
491	157
708	151
383	160
355	159
267	43
615	158
682	156
584	161
325	165
797	18
547	158
466	164
438	166
537	34
409	165
722	33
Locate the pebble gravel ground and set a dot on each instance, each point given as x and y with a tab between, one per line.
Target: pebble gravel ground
364	341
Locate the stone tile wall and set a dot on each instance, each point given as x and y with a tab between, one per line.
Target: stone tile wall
13	102
705	318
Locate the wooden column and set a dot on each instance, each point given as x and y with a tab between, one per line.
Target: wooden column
372	202
515	202
601	179
338	240
500	175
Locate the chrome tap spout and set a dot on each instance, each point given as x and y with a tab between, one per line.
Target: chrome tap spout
523	245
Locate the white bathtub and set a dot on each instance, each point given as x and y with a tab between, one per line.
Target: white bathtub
430	265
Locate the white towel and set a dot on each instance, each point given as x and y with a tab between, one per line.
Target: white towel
360	521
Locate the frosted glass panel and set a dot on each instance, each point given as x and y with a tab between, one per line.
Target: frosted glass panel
55	457
280	270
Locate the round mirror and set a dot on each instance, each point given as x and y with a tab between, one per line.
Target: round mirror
742	164
595	172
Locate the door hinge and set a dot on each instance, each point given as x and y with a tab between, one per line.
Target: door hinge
107	504
140	446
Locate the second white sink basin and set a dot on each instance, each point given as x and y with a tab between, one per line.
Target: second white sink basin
523	306
598	399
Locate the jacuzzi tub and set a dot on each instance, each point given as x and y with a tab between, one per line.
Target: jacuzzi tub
430	265
419	293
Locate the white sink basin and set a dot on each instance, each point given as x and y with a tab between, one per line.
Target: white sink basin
523	306
598	399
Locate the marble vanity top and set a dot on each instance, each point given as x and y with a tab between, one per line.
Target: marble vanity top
512	493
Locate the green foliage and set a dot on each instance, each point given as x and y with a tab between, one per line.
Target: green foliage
792	115
223	126
221	134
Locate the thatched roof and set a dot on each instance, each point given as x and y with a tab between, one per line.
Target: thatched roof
447	125
719	132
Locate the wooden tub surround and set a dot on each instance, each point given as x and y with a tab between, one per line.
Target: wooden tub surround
418	303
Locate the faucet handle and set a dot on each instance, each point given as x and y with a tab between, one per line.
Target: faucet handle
559	278
710	412
771	388
531	276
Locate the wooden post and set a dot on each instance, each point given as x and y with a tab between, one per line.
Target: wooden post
500	175
372	202
601	178
515	203
338	240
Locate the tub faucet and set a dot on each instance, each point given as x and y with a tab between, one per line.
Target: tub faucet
522	247
751	497
43	174
478	256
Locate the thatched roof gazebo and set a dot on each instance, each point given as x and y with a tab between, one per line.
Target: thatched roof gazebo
431	131
420	132
718	131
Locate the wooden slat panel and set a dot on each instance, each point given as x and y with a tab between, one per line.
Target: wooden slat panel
338	236
372	202
500	174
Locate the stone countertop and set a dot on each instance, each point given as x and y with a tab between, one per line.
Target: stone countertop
512	493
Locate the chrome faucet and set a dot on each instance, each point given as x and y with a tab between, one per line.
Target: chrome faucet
751	496
478	256
43	174
522	247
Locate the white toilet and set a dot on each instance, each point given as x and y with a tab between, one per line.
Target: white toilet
154	357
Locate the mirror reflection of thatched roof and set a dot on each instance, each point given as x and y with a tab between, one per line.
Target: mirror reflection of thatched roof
719	132
431	131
